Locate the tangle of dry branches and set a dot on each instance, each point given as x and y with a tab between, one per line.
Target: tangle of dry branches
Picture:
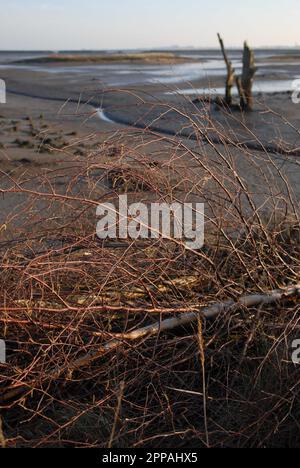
103	335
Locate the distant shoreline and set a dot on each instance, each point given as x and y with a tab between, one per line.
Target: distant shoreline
155	58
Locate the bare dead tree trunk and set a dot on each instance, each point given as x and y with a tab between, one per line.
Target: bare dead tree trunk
230	73
246	84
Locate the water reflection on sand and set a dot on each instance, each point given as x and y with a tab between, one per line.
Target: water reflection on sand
275	86
130	74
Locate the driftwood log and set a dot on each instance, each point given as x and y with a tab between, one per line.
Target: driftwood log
207	313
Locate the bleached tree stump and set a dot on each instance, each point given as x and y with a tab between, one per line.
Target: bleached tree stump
245	86
230	73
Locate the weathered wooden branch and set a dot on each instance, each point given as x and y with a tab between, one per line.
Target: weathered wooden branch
208	313
230	73
246	83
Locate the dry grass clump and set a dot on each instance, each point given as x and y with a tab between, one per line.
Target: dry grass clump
65	294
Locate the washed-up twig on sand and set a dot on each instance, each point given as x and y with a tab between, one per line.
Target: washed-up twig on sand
208	313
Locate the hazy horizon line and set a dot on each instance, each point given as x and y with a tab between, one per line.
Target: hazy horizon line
149	49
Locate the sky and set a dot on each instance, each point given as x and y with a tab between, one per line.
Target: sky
134	24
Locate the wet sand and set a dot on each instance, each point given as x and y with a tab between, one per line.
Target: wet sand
51	119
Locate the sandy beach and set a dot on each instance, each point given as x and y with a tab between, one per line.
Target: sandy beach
149	227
